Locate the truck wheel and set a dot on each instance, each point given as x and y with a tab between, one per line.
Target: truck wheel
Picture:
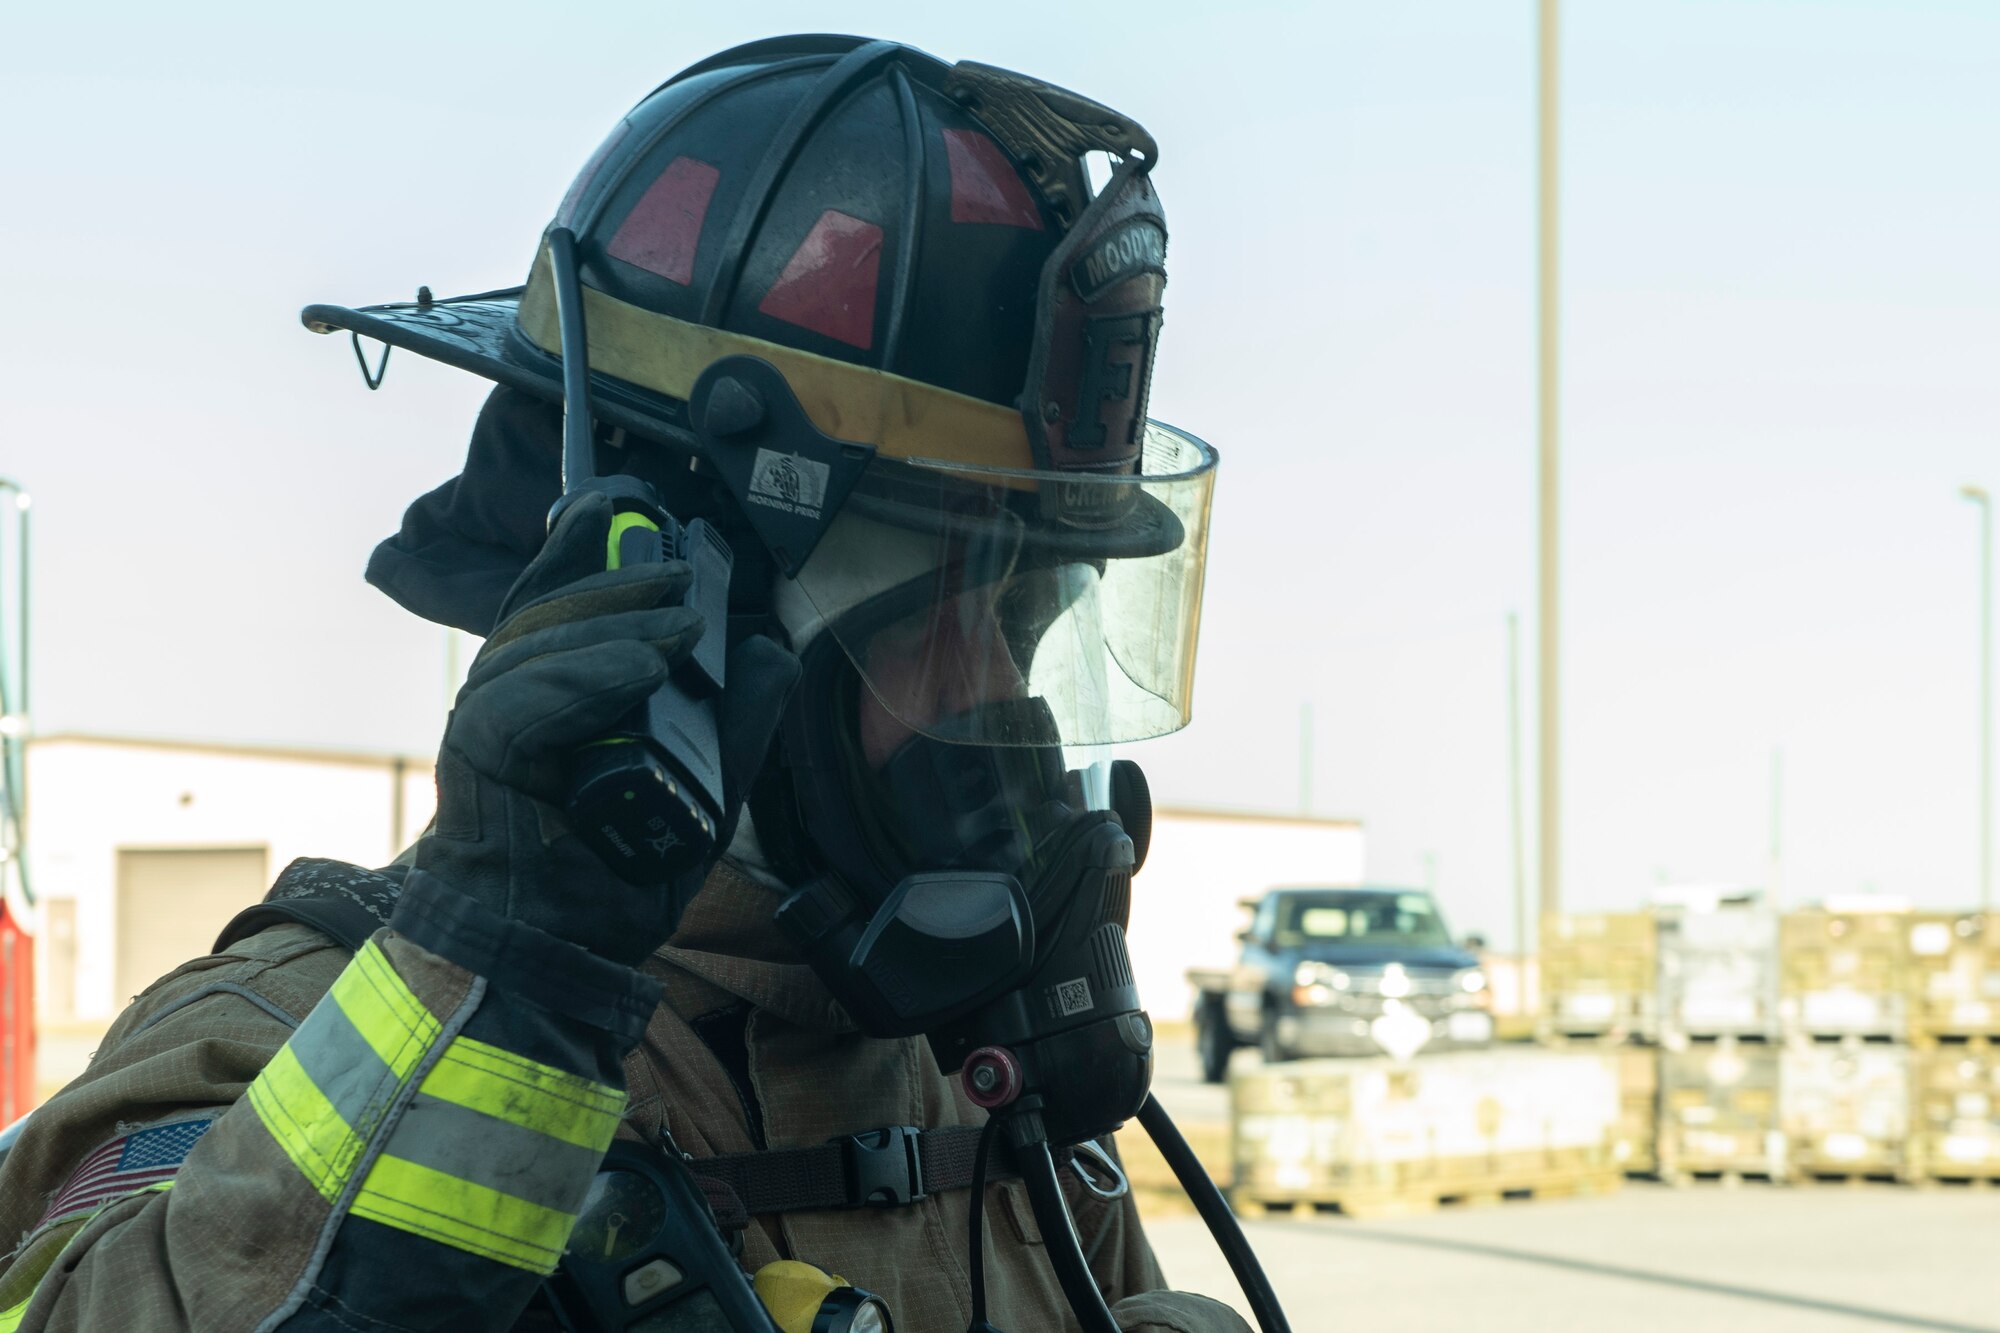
1273	1050
1212	1042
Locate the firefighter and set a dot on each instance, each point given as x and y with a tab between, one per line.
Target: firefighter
964	561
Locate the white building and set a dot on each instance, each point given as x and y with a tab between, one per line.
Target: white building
1200	865
142	850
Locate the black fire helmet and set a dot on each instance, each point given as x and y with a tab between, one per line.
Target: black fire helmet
875	299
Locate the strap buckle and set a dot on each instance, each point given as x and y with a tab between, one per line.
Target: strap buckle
885	1167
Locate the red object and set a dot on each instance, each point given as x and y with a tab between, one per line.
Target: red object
998	1069
984	185
662	230
17	1016
828	285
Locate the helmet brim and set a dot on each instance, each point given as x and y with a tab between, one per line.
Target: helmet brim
482	334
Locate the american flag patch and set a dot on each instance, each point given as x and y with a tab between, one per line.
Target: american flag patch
129	1162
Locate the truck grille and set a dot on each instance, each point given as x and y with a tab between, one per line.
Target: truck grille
1432	994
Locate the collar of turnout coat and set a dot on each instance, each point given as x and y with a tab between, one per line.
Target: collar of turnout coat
726	938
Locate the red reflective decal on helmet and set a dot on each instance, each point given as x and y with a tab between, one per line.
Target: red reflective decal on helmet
984	185
662	230
828	285
566	214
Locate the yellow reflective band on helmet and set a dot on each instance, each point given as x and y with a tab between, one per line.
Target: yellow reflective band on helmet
903	418
508	1087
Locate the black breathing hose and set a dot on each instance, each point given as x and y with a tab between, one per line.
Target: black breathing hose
1038	1170
976	1215
1214	1210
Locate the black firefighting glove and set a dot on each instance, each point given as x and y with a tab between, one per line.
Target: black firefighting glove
576	648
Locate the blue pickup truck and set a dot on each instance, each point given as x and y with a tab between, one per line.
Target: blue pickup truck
1341	971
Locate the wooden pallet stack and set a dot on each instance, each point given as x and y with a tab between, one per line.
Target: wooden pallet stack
1719	1112
1719	1029
1634	1141
1844	1107
1956	1113
1846	974
1599	989
1718	972
1954	970
1374	1137
1844	1103
1599	977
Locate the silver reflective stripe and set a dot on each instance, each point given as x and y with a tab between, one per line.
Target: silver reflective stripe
512	1159
309	1277
344	1067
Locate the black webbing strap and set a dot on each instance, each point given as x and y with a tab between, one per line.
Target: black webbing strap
896	1164
344	923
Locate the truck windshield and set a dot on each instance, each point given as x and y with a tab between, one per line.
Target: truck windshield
1361	918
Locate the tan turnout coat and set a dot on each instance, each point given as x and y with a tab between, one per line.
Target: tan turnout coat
218	1249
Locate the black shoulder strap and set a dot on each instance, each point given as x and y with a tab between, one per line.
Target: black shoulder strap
344	902
893	1165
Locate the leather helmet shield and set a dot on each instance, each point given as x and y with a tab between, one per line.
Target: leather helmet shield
1099	323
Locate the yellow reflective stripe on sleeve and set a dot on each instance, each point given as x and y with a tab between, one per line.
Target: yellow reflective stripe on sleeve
490	1152
384	1010
523	1092
463	1215
11	1317
325	1092
311	1129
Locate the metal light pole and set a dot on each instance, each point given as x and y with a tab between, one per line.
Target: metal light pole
1548	401
1306	757
1774	891
1978	496
1521	936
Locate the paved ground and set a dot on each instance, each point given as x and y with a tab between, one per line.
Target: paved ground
1648	1258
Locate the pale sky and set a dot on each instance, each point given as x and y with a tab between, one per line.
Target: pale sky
1782	360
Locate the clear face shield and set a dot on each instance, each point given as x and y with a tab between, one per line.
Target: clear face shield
1039	617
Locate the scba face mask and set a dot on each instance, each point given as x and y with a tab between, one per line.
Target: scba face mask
985	905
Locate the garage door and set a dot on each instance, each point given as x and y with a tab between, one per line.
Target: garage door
173	903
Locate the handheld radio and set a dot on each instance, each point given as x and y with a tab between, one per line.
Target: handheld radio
648	796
